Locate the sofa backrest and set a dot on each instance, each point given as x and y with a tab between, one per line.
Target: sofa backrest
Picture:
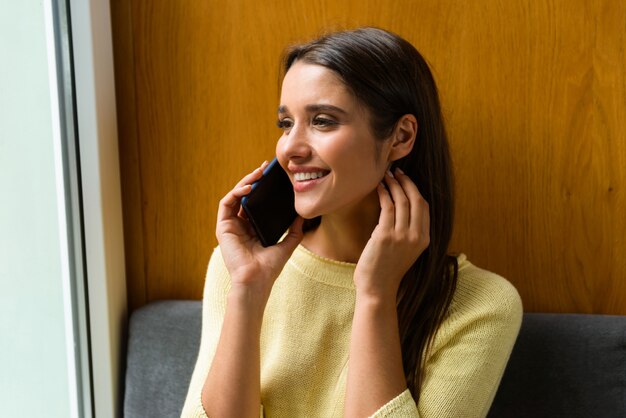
163	343
565	365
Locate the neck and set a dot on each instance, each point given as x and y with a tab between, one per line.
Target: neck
342	236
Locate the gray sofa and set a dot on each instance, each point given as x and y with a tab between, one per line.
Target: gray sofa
563	365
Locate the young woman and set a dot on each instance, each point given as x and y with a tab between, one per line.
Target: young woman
358	311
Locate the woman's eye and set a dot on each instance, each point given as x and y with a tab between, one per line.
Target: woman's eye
284	124
323	122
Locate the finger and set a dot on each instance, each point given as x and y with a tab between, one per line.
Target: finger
294	235
420	211
242	213
253	176
386	220
247	224
230	204
400	201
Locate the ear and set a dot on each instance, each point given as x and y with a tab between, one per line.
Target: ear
403	137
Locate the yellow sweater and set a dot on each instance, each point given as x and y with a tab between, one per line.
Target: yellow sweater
306	335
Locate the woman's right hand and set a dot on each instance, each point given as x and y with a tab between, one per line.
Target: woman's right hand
249	263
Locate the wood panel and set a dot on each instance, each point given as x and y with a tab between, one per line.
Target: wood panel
129	153
534	94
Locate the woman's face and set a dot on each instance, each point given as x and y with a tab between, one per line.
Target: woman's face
327	147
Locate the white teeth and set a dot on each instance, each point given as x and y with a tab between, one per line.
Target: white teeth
308	176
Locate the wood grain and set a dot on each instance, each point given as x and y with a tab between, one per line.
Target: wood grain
534	94
129	155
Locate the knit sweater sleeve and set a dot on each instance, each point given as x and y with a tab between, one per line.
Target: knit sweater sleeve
216	287
469	353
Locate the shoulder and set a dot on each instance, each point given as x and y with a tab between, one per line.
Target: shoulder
484	302
217	281
482	290
470	350
216	262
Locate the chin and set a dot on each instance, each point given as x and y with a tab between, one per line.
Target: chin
307	214
307	211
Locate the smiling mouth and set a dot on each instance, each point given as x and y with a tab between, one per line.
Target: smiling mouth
309	176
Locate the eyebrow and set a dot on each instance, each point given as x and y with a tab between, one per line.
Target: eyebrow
317	108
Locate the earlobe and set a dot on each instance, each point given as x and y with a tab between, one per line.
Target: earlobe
403	137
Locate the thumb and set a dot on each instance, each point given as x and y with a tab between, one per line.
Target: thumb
294	236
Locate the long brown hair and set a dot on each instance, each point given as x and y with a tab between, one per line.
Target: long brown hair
389	76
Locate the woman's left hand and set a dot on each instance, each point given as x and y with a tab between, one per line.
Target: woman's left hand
402	234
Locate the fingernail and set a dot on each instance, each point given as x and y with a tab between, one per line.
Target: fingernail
399	170
390	174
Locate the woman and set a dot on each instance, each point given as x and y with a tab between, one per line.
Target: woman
358	311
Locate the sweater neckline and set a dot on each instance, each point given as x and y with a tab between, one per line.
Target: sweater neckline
322	269
334	272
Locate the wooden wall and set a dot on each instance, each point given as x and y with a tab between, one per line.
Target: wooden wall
534	93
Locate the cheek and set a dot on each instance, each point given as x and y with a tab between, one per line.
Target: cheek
280	155
279	145
359	159
341	152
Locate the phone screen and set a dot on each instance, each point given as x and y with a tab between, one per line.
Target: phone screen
270	204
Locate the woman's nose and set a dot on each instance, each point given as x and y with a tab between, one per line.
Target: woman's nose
295	144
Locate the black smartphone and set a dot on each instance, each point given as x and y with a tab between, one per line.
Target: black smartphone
270	204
